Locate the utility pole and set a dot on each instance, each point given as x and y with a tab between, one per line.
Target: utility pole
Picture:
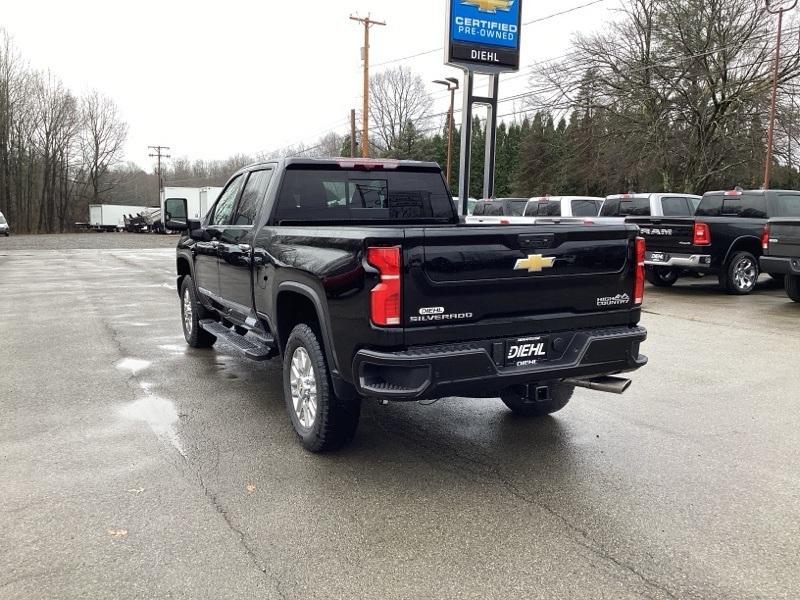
159	154
353	133
368	22
776	7
452	85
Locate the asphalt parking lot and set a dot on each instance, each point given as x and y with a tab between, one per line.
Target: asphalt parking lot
135	467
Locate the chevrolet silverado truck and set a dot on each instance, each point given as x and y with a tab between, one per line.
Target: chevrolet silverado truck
724	238
781	245
362	279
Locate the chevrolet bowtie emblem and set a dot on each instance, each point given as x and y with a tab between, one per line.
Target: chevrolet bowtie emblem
489	6
535	263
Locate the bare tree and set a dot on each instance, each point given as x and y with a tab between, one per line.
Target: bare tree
101	142
399	108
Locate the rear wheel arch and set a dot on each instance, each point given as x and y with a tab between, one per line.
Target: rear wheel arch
298	303
745	244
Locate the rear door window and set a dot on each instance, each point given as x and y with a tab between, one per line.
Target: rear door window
676	206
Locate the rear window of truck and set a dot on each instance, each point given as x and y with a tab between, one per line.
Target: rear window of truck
626	207
543	208
746	206
340	195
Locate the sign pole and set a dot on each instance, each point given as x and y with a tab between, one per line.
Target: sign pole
466	144
490	153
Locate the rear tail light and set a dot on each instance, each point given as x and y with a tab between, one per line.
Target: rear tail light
702	234
638	289
765	237
385	297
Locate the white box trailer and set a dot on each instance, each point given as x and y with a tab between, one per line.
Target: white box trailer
111	217
208	195
190	194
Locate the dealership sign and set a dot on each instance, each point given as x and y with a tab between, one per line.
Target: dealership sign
483	35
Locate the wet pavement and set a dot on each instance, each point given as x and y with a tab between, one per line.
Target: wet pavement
135	467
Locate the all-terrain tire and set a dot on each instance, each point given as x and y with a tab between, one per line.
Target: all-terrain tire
192	312
560	395
307	381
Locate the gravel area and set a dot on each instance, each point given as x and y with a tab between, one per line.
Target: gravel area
87	241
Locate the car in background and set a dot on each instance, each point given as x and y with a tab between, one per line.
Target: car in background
5	229
724	238
781	244
621	206
563	206
500	207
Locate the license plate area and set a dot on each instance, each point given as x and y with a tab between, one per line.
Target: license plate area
661	257
526	352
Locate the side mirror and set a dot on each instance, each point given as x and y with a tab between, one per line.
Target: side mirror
175	214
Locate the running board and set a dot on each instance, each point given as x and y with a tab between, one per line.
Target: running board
252	348
612	385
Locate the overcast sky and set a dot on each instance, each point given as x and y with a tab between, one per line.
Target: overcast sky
211	79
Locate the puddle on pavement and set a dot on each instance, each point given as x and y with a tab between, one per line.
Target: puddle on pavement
159	414
134	365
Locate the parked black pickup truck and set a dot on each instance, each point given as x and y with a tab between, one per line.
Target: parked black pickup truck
722	239
781	243
360	276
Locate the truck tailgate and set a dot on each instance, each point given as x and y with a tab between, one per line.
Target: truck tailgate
666	234
478	278
784	237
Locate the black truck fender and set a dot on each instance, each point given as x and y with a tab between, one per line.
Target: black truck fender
746	243
283	328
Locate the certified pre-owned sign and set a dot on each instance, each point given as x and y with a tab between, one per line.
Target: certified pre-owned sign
483	35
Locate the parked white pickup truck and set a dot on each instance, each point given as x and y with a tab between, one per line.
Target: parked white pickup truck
548	207
619	207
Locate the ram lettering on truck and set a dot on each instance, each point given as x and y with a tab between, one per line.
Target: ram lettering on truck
361	278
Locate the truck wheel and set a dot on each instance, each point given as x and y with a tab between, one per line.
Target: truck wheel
192	312
320	419
661	277
740	275
793	287
515	399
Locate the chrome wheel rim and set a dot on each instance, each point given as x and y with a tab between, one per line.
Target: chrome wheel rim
745	274
187	312
303	384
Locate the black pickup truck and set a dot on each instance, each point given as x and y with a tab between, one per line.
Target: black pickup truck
781	243
724	238
361	277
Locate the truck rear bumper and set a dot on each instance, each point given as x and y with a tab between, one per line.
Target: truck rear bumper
476	369
777	265
682	261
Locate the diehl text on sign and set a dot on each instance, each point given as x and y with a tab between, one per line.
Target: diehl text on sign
483	35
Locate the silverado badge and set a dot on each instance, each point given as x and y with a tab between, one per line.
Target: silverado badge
535	263
489	6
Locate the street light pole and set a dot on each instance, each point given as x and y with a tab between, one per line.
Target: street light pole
776	7
452	85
